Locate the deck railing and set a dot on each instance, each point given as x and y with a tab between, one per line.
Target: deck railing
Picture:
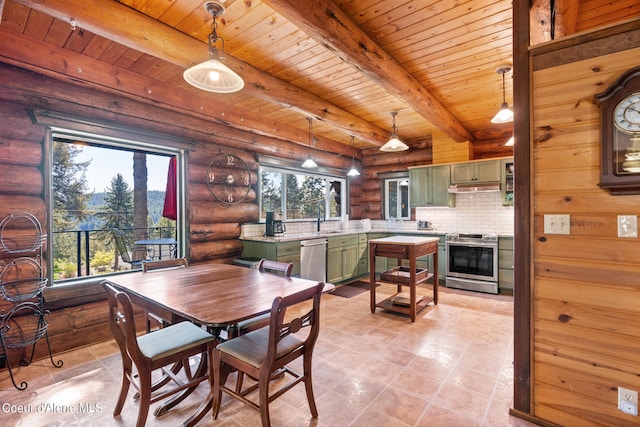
83	240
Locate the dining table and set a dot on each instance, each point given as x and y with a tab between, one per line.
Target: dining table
171	242
212	295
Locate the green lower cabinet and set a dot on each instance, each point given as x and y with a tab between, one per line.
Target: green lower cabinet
277	251
343	258
381	262
442	262
505	264
363	258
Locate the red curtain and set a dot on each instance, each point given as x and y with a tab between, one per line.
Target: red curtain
170	209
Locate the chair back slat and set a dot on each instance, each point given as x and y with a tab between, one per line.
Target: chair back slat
122	321
267	265
280	329
164	263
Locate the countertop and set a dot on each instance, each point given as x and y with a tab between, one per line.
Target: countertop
404	240
292	237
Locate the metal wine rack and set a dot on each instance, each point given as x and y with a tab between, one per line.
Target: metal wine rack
22	280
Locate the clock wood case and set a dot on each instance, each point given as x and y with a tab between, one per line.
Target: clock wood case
620	134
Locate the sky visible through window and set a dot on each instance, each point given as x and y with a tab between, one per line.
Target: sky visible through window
106	163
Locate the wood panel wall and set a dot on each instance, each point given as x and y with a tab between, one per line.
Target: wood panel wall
585	290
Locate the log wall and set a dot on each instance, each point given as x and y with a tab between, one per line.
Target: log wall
585	289
214	227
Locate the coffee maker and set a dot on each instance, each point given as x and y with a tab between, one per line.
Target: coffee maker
274	224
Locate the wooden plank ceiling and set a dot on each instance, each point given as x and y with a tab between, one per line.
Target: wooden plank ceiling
347	63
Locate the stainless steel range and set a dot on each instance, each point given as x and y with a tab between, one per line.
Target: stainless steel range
472	262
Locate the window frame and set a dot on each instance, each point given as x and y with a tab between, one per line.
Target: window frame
322	173
62	126
387	199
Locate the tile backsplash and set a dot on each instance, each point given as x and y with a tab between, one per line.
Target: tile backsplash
474	213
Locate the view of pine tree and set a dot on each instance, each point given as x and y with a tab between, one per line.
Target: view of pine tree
271	191
312	201
293	196
118	209
70	196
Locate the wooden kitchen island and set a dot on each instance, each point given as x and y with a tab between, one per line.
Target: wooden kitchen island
400	248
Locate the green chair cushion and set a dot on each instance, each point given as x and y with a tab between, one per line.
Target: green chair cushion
251	347
172	339
263	319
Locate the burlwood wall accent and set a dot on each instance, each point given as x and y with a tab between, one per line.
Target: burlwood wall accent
586	287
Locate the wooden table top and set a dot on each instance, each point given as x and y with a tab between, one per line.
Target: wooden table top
215	295
404	240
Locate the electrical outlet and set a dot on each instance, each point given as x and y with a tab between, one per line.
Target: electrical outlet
627	226
628	401
557	224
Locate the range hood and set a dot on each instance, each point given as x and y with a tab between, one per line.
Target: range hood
474	188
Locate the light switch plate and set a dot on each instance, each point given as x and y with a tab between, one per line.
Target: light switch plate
627	226
557	224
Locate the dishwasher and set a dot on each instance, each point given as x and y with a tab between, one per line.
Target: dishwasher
313	259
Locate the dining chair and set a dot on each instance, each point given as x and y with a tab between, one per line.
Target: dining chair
266	352
123	248
153	318
164	263
163	350
264	266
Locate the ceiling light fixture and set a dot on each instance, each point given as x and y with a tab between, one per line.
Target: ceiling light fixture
353	171
510	142
394	144
505	115
212	75
309	163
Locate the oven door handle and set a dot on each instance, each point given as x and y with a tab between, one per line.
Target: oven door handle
479	244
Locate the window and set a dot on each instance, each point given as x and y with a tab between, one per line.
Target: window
300	195
396	196
100	185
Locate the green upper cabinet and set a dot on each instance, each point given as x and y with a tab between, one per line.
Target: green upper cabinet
476	172
506	186
429	186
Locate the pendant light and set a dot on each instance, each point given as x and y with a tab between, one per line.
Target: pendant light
394	144
353	171
505	115
212	75
309	163
510	142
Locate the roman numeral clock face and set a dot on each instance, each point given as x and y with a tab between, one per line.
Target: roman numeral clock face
627	114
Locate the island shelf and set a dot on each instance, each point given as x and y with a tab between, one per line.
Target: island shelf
403	248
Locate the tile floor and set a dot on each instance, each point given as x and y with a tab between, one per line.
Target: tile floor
452	367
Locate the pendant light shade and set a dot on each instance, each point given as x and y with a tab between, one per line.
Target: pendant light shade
213	75
394	143
510	142
505	115
309	163
353	171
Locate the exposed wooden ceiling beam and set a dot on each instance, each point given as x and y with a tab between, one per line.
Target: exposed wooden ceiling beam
327	24
26	52
546	26
132	29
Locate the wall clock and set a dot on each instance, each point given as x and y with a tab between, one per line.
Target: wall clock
228	179
620	134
